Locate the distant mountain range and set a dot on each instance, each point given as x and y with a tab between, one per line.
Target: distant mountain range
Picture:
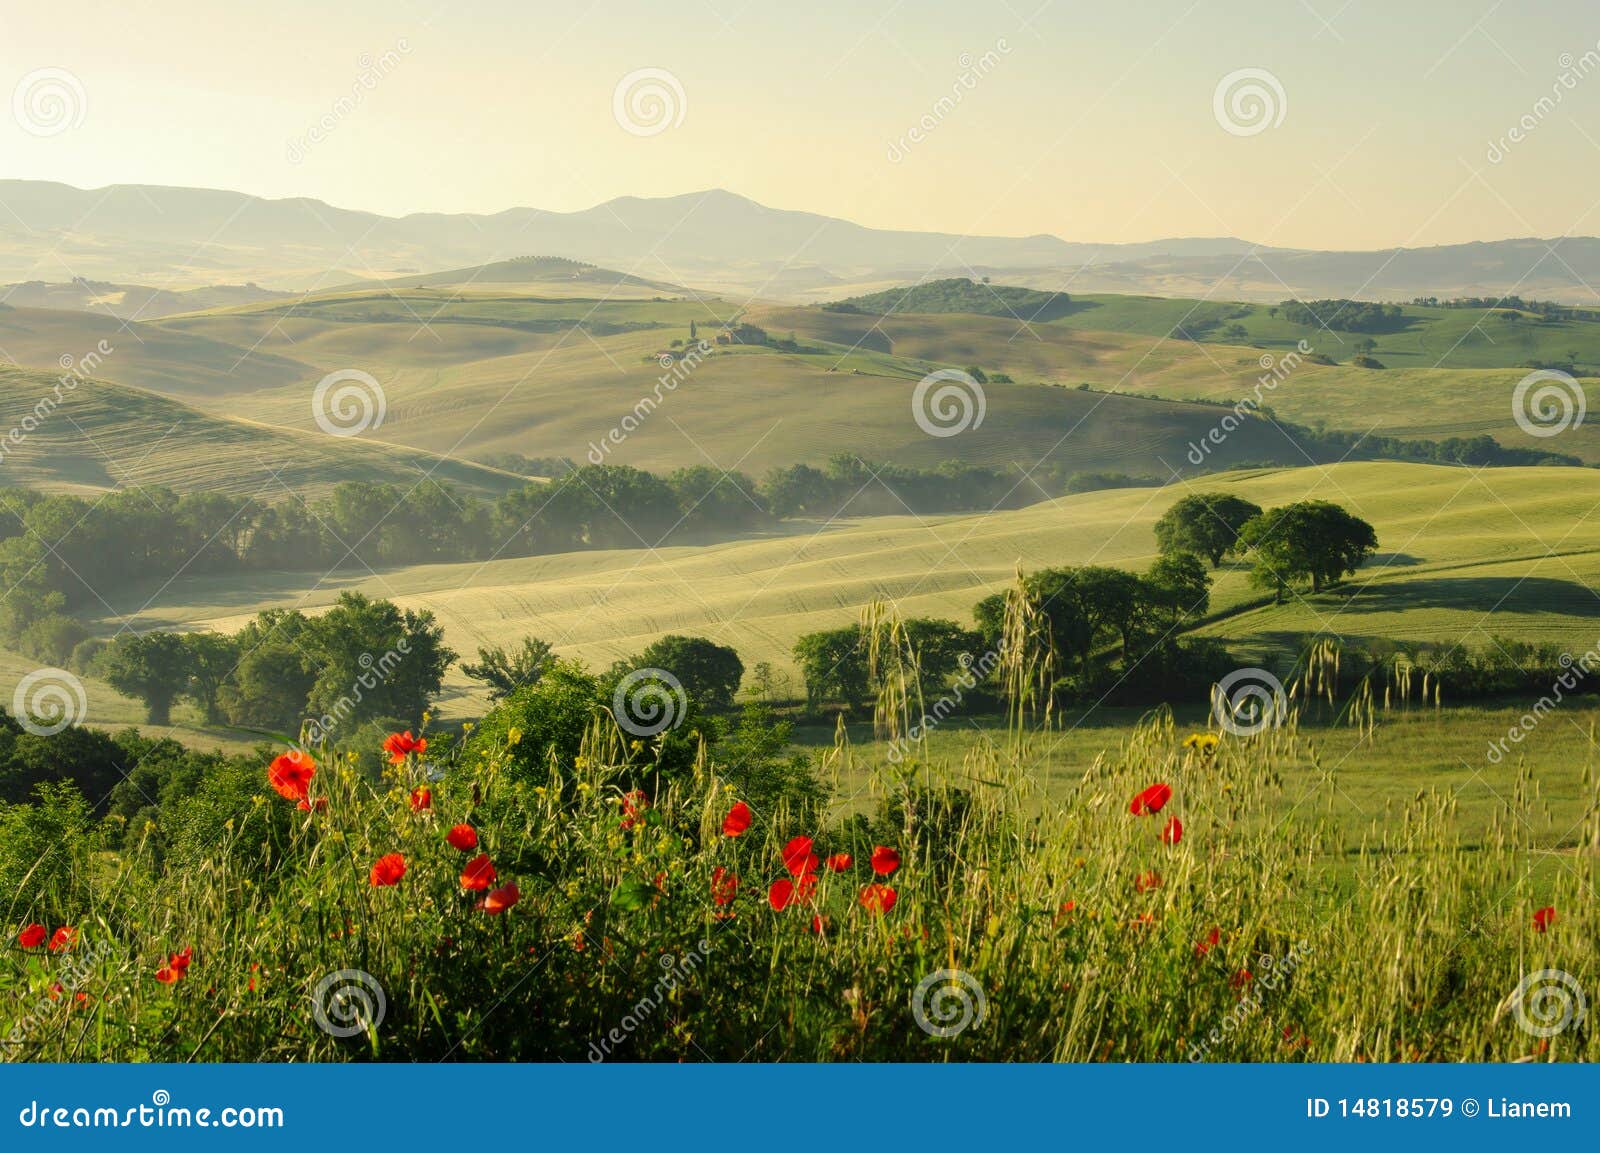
174	239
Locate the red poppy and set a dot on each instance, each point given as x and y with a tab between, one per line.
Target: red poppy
32	936
724	886
167	975
1544	918
305	805
388	869
399	745
1172	831
501	899
737	820
1151	800
180	960
1145	882
1208	942
798	857
819	923
1240	979
839	862
463	837
876	898
781	895
884	860
63	938
290	774
478	875
421	799
633	806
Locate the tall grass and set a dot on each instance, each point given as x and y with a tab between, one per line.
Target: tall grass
1024	926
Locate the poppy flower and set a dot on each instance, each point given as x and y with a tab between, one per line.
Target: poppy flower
1172	831
876	898
781	895
1150	800
724	886
180	960
737	820
1146	882
1544	918
388	869
798	857
167	975
400	745
1240	979
463	837
32	936
839	862
478	875
63	938
501	899
421	799
633	806
1208	942
819	924
290	774
306	804
884	860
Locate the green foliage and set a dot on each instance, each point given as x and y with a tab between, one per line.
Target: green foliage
154	668
709	672
834	665
1313	540
960	294
1205	523
504	672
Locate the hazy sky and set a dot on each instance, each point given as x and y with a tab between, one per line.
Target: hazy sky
1090	121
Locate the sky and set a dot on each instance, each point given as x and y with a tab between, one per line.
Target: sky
1387	123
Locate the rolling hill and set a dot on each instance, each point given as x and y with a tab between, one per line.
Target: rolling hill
1456	545
91	435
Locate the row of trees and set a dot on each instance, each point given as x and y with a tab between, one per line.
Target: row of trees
59	553
362	661
1311	541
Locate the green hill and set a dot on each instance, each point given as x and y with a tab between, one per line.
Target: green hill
93	435
1456	546
960	294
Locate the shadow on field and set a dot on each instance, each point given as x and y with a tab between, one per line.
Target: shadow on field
1481	594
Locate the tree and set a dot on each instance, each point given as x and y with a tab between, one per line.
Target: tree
834	664
506	672
1314	539
274	674
154	667
373	661
940	647
1207	524
212	657
708	672
1175	592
